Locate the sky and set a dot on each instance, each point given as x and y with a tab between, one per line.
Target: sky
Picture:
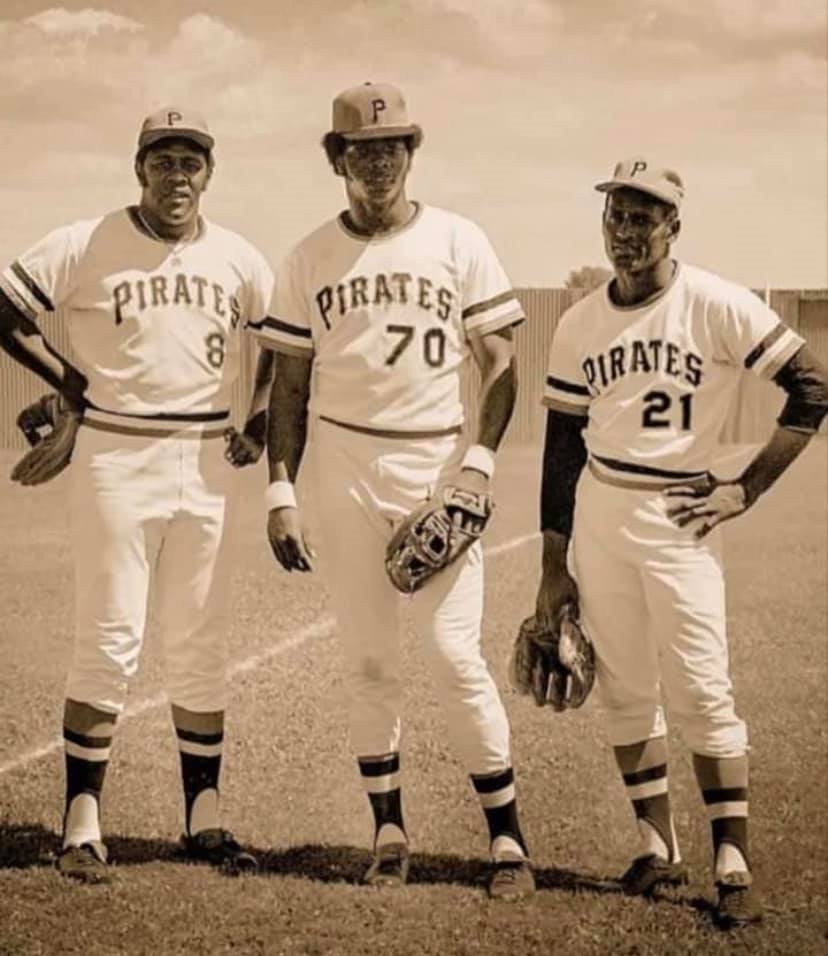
525	105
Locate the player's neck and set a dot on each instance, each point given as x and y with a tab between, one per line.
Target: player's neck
367	219
636	288
168	232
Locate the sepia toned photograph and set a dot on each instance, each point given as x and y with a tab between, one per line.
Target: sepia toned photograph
414	454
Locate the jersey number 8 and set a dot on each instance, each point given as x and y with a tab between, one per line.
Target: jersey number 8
215	349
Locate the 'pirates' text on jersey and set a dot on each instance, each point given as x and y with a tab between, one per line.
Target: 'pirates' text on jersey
387	319
657	379
154	326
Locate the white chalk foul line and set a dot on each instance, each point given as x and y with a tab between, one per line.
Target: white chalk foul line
316	630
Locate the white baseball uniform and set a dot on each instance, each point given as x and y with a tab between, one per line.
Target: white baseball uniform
156	329
656	381
387	322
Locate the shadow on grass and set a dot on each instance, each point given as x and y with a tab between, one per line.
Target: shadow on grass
335	864
30	845
25	846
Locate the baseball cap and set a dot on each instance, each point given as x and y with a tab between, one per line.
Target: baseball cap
172	121
637	173
372	111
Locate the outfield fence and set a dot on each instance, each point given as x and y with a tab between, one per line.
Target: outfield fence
750	418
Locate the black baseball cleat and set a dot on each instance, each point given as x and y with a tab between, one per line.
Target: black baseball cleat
738	904
648	872
85	863
390	866
220	849
511	879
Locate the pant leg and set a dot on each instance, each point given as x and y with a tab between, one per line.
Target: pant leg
685	590
194	577
118	508
604	562
351	546
447	614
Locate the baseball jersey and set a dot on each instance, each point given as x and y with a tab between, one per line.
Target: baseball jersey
656	380
387	319
154	326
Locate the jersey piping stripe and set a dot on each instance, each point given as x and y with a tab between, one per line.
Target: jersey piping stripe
630	484
479	307
193	417
563	386
630	468
268	322
756	353
387	433
32	286
178	433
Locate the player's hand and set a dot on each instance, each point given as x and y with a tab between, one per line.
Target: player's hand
242	448
710	508
475	483
287	540
557	588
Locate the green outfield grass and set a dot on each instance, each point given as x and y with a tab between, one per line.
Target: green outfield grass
291	789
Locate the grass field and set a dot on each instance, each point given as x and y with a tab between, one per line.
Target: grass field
291	790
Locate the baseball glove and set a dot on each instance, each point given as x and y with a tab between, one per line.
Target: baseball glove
557	667
435	535
50	426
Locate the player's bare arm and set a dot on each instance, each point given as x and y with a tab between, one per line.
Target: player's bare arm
22	340
564	456
495	357
286	438
245	447
805	381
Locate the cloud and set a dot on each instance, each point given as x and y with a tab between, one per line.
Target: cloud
58	21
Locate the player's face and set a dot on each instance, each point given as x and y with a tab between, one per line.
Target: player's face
175	174
375	169
637	230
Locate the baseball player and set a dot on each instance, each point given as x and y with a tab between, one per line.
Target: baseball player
641	373
374	314
155	298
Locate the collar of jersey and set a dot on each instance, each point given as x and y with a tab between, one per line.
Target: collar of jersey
647	302
139	226
418	211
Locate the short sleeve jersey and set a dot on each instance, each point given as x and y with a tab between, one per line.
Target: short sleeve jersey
155	328
656	380
387	320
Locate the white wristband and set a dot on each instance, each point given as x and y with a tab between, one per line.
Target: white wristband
280	494
480	458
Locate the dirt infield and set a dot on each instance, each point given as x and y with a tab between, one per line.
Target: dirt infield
291	789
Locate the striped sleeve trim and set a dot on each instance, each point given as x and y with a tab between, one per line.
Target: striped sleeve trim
495	324
563	386
24	307
31	287
573	398
283	336
488	304
775	349
568	408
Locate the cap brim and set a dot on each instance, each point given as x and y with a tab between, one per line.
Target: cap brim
613	184
194	135
380	132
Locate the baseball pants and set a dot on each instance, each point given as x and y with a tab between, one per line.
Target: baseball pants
363	486
146	507
653	600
